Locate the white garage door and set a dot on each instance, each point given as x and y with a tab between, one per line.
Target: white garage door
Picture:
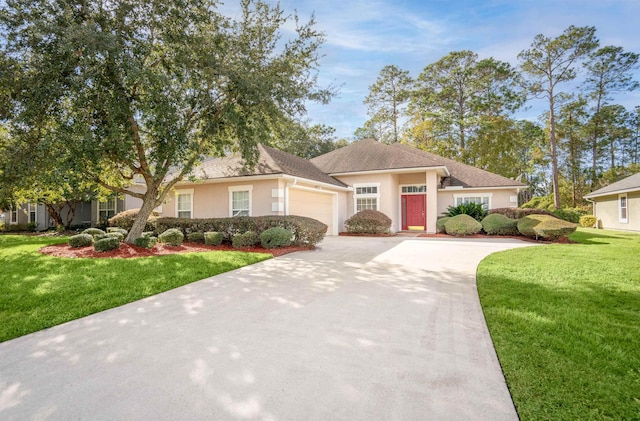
313	205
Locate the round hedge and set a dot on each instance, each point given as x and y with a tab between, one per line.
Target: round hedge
275	237
462	224
368	221
145	242
496	224
107	244
172	236
81	240
440	223
213	238
93	231
545	227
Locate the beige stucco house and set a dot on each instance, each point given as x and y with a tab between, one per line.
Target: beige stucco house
410	186
617	206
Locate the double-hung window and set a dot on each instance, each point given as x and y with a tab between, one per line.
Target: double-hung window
482	199
240	200
32	209
366	196
13	215
623	208
184	203
106	209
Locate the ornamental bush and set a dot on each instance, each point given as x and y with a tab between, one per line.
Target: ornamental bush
462	224
81	240
496	224
122	231
125	219
195	237
117	235
306	231
275	237
545	227
440	223
474	210
247	239
517	213
107	244
588	221
93	231
368	221
213	238
145	242
172	236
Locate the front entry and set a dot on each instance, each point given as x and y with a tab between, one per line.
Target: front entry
414	214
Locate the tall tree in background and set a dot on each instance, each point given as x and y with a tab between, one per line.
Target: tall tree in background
548	64
571	129
608	72
454	93
387	98
374	129
308	141
145	89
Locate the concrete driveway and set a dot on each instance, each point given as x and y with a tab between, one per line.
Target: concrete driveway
360	329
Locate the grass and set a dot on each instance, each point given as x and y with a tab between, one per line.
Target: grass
38	291
565	321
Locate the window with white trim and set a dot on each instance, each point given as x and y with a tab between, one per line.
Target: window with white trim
184	204
623	206
13	215
32	209
240	200
482	199
366	196
106	209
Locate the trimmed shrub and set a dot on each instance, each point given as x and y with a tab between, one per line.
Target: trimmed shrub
570	214
368	221
212	238
125	220
247	239
517	213
148	234
122	231
107	244
172	236
117	235
306	231
32	226
496	224
462	224
81	240
93	231
440	223
588	221
474	210
145	242
545	227
195	237
275	237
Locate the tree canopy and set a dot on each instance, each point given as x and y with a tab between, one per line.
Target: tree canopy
143	90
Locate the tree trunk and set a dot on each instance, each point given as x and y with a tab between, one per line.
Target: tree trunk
554	154
54	214
594	146
149	203
71	213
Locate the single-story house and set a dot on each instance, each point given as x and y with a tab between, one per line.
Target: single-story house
617	206
86	213
411	186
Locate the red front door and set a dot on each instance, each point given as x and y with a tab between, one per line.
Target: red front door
414	215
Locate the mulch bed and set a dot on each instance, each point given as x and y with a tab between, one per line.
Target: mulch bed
128	251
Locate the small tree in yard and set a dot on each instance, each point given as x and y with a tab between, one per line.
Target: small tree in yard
146	89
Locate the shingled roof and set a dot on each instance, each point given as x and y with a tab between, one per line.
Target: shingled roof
370	155
626	184
270	161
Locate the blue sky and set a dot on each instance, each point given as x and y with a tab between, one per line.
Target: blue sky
362	36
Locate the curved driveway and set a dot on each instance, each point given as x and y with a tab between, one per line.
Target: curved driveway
360	329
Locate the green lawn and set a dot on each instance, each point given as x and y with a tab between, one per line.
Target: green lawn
565	320
38	291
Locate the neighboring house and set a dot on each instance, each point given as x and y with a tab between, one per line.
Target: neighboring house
86	213
617	206
410	186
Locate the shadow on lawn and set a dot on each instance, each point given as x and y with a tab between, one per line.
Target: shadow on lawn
593	237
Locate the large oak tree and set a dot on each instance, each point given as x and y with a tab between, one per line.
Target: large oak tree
143	90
